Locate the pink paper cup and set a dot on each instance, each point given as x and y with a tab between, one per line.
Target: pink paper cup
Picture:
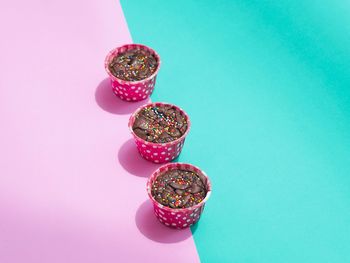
132	90
183	217
159	152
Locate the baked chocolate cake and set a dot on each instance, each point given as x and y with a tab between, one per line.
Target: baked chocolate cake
178	189
160	124
133	65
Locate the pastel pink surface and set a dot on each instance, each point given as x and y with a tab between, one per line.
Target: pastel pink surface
64	194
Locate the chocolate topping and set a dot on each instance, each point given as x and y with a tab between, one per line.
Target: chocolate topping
178	189
160	124
133	65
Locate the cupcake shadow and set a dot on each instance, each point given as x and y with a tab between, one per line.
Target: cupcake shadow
108	101
151	228
132	161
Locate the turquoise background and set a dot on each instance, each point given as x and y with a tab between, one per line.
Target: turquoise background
267	86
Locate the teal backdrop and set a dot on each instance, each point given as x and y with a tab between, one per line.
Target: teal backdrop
267	87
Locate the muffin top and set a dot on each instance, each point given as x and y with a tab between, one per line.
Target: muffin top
178	189
133	65
160	124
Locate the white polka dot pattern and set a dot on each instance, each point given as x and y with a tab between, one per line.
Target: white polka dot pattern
176	220
132	94
155	154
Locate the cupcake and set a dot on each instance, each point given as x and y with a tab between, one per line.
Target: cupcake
133	70
178	192
159	130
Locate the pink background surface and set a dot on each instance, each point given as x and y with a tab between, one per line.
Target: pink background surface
72	186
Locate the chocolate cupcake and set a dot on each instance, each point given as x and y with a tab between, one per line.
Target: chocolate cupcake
160	124
178	192
133	70
178	189
159	130
133	65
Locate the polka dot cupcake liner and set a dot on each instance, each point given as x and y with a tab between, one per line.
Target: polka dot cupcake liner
184	217
132	90
159	152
